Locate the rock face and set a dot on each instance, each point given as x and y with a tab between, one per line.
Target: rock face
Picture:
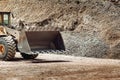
95	23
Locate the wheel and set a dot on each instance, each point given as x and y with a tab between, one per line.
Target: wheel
29	56
7	48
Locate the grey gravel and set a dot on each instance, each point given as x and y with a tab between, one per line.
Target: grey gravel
84	45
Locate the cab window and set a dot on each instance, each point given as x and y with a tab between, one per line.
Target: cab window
6	19
0	19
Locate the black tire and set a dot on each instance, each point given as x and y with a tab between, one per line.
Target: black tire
29	56
9	48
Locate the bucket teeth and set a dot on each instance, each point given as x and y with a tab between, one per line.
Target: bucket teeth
50	52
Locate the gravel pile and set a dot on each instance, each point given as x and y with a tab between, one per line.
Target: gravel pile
84	45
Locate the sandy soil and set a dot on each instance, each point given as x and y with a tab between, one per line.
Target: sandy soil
60	67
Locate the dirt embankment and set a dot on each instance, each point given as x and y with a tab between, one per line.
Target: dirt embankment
96	21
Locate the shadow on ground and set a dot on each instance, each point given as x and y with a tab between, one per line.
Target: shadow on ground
38	60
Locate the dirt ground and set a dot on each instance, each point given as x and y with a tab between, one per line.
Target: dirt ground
60	67
96	22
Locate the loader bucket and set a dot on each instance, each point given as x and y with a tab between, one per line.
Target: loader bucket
45	40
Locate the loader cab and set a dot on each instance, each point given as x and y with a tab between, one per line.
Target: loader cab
4	18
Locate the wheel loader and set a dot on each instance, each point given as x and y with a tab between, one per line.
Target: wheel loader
28	42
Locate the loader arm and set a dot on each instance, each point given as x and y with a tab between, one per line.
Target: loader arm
20	39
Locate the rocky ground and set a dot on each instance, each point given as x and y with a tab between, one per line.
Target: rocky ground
60	67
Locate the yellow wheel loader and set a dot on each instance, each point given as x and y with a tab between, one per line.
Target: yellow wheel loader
28	42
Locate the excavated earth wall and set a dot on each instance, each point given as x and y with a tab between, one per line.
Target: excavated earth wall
89	27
